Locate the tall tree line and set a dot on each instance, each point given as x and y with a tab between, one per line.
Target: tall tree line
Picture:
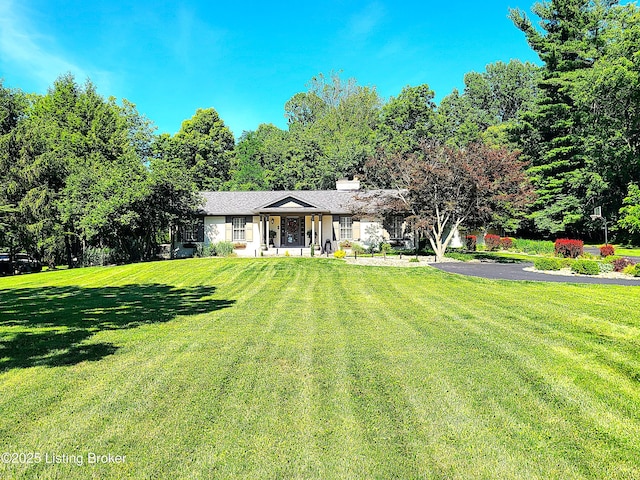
84	172
337	125
582	135
79	173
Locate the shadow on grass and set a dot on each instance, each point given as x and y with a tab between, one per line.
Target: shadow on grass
491	257
52	326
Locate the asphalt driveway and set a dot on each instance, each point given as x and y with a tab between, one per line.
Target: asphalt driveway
514	271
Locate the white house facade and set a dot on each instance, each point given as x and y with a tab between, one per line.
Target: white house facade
280	222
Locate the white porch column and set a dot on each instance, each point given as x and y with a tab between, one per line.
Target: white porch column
313	230
266	230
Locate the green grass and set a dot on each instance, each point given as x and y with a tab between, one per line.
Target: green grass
498	257
631	252
312	368
534	247
628	251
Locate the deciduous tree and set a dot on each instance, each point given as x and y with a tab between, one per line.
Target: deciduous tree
408	119
204	144
630	211
444	187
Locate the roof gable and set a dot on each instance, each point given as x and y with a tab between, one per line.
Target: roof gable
288	201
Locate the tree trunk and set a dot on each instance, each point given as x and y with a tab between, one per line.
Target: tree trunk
67	249
437	243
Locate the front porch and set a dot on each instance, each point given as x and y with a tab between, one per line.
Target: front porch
296	233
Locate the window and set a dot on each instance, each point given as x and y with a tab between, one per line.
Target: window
238	226
192	231
395	227
346	228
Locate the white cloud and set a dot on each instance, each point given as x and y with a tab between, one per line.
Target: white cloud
32	53
190	37
364	23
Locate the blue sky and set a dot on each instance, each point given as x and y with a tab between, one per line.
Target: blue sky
247	59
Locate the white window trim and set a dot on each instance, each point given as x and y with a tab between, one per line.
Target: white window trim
238	228
346	228
189	233
396	227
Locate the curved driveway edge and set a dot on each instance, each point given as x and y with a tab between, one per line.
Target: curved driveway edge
514	271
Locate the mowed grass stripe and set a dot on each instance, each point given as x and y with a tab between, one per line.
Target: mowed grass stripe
467	325
310	368
154	383
440	410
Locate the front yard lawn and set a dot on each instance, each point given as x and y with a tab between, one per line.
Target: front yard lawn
312	368
627	252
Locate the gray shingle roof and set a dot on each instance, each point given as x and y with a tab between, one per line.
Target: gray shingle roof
251	203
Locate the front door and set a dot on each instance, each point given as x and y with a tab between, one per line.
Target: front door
293	232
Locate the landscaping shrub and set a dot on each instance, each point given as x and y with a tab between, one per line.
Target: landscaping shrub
533	247
506	243
585	267
621	263
345	244
611	259
491	242
95	256
568	248
607	250
223	249
605	267
385	248
471	242
547	263
566	262
636	271
102	256
357	249
339	254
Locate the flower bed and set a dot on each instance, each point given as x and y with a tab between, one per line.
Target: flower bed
471	242
568	248
491	242
607	251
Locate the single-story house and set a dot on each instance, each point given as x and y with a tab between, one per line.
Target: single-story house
277	222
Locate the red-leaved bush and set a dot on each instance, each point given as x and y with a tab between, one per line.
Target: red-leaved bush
506	243
620	264
607	250
491	242
470	242
568	248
